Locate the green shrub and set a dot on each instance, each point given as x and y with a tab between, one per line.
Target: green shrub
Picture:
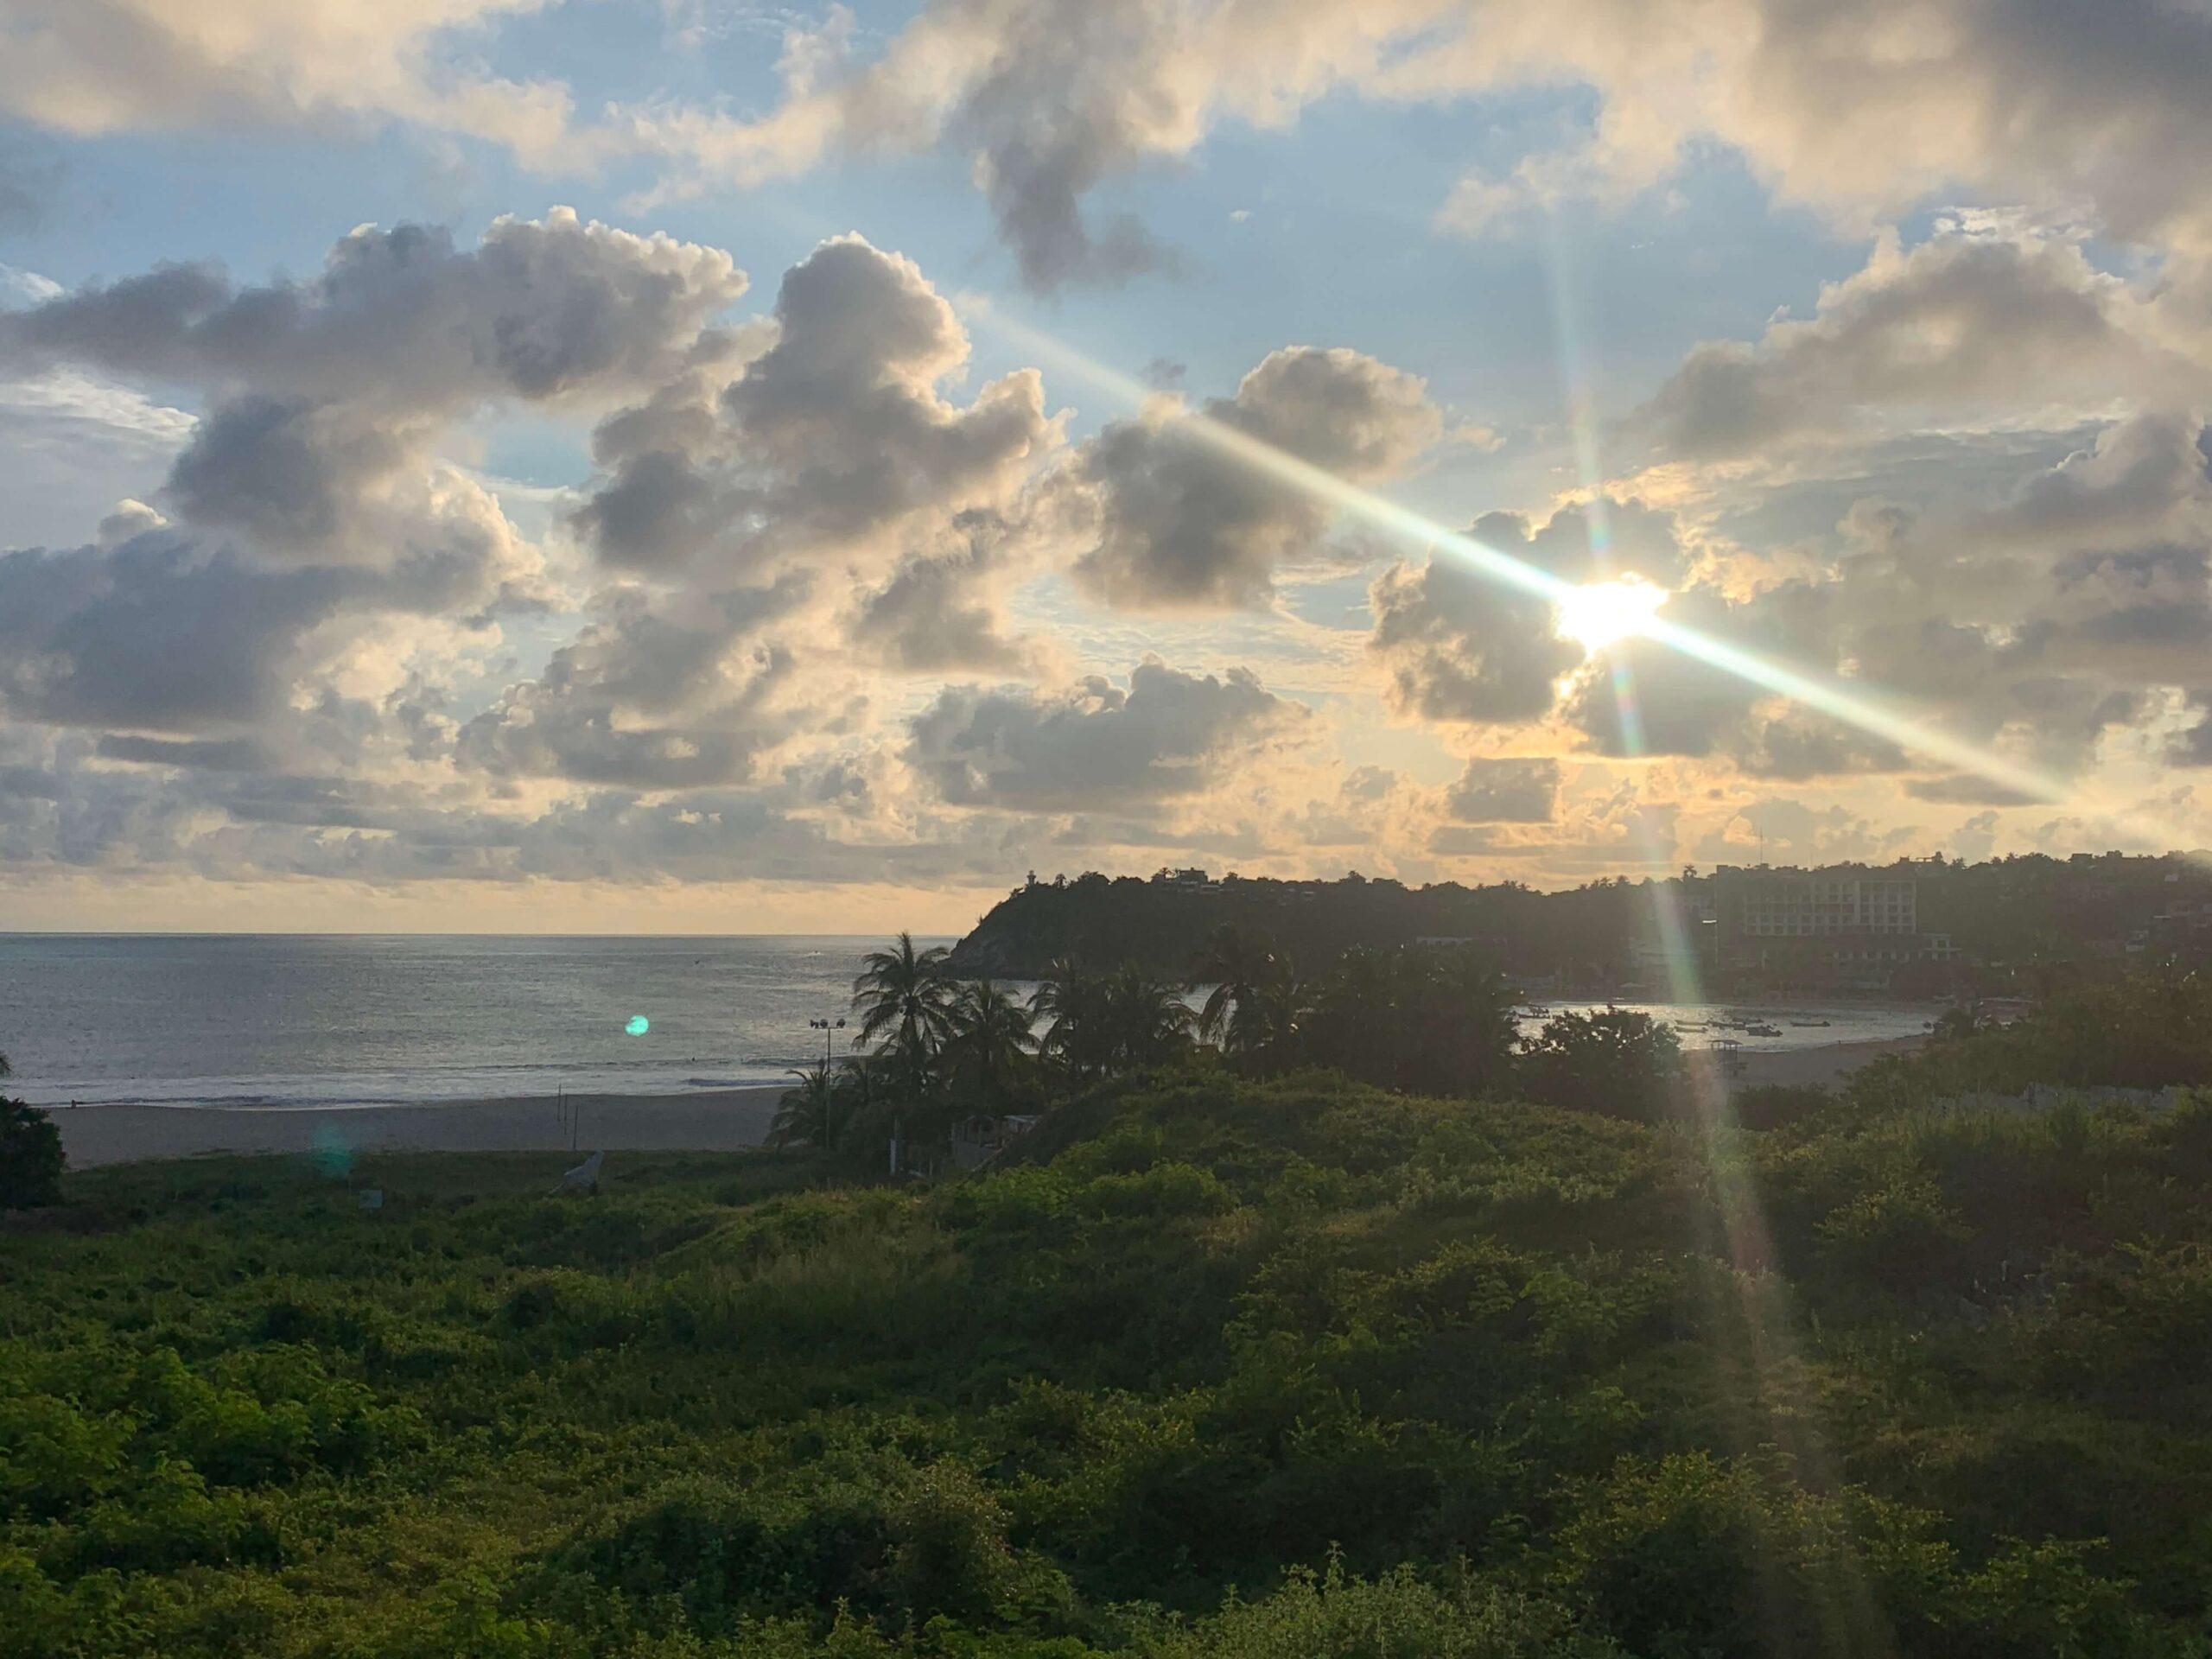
30	1157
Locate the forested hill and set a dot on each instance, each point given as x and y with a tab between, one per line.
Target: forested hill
1164	924
2028	910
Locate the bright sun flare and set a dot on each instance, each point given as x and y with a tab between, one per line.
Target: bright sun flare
1599	612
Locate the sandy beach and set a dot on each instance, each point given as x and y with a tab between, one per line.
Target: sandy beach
722	1120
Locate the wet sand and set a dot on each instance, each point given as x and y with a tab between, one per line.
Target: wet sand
722	1120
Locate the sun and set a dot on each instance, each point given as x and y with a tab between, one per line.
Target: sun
1598	613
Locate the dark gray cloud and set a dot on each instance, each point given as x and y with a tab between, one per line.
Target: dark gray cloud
161	633
215	755
308	503
171	633
288	475
1095	746
1458	644
833	436
942	609
1181	525
1964	789
403	319
651	696
1504	791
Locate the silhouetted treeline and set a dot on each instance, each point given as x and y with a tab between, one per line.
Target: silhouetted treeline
1420	1019
2036	916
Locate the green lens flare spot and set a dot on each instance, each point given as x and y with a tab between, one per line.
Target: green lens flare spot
639	1025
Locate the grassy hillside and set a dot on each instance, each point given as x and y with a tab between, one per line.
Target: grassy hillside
1222	1367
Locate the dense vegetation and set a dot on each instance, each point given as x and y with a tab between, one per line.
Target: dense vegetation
2022	922
30	1153
1210	1364
1428	1019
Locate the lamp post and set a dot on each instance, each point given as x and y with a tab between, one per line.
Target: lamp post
825	1027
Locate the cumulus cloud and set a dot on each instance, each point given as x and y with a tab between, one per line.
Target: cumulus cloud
308	504
1504	791
1180	525
404	320
834	437
1097	745
1456	645
653	695
1963	323
1861	113
91	67
943	608
1799	832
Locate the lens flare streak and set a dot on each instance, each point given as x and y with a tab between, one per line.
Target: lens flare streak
1826	696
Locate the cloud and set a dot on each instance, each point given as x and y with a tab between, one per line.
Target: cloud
1047	100
942	610
172	631
1964	789
653	694
159	634
1862	114
1960	324
1798	832
1456	645
92	67
1504	791
1096	746
404	320
1181	526
834	437
308	505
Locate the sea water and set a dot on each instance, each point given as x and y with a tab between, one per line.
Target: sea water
355	1019
291	1020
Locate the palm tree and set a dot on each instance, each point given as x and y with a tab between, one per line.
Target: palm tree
1235	964
904	1000
861	1083
1147	1015
808	1113
1072	1005
1356	1020
1269	1030
990	1034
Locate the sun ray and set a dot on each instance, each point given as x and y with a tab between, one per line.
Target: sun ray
1853	706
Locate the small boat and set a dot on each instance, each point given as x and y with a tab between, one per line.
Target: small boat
1812	1022
1763	1029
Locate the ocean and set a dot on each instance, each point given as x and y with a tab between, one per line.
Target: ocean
291	1020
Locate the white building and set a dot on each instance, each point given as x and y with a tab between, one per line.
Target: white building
1817	907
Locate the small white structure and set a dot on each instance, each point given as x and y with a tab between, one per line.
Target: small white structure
584	1178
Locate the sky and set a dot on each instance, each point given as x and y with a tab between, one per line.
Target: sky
573	465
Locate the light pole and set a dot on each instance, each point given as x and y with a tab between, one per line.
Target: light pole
825	1027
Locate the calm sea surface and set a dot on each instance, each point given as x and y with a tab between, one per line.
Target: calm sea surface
289	1020
292	1020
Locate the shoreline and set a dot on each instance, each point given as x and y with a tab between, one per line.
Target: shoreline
718	1120
1823	1065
